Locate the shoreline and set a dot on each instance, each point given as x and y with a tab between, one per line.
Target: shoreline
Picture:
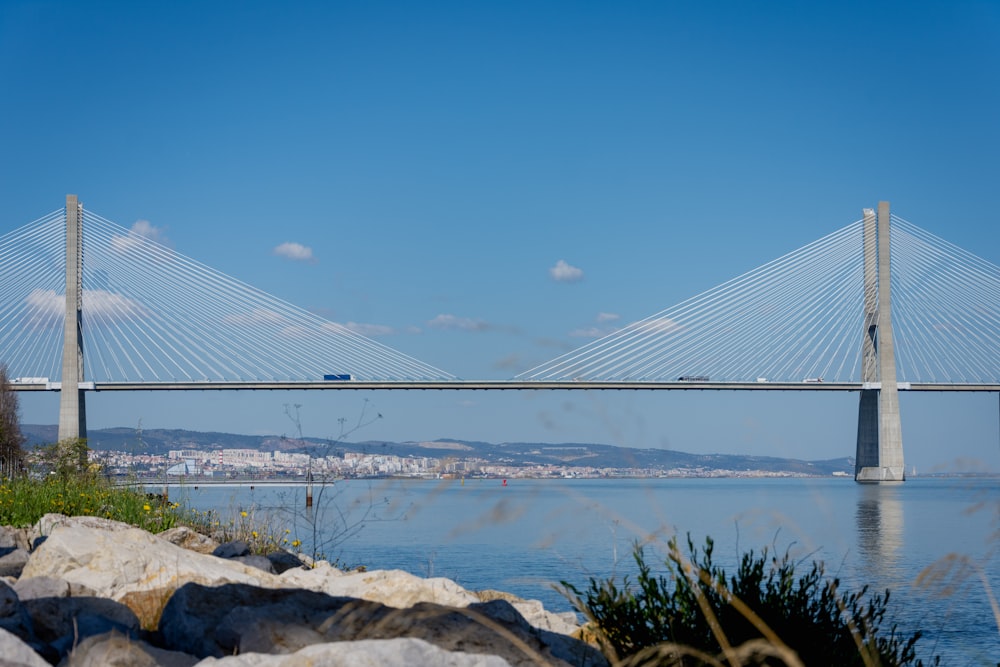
275	481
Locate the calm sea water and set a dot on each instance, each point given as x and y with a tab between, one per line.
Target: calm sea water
530	534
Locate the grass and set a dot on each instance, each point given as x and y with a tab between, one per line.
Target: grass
695	614
245	525
23	501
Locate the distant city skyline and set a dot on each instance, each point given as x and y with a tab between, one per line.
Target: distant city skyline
484	187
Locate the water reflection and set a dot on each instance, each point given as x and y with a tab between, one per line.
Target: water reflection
879	520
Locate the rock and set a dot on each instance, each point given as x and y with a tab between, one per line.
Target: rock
395	588
14	538
189	539
116	650
401	652
237	618
14	617
148	605
489	595
259	562
536	615
50	522
112	563
532	610
200	620
12	563
402	589
282	561
15	653
232	550
98	592
29	588
56	619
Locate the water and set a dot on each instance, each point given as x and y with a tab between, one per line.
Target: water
529	535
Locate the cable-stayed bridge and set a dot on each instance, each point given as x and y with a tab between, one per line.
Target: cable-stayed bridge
801	317
89	305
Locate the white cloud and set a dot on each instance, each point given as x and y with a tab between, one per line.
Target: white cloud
597	331
370	330
589	332
141	232
565	273
47	304
295	252
111	306
295	331
445	321
256	317
332	327
364	329
147	230
289	329
508	363
659	325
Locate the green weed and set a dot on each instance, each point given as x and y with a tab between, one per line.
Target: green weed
763	615
23	501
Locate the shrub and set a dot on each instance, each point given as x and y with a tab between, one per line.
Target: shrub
66	459
257	529
11	438
23	501
696	615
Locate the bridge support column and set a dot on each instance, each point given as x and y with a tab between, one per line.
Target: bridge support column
72	407
880	437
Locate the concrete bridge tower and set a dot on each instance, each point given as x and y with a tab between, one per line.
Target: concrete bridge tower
72	408
880	439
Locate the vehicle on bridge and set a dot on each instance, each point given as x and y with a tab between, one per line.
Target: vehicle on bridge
338	377
813	380
693	378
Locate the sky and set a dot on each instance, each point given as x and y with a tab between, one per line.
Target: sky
484	186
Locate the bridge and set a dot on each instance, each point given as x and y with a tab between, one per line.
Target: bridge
877	307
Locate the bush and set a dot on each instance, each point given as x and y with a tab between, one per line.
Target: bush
23	501
257	529
11	438
67	459
763	615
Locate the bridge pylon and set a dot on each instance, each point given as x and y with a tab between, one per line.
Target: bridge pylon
72	406
879	455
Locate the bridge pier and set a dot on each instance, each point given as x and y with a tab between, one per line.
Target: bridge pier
879	454
72	406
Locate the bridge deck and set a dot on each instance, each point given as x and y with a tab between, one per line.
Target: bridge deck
498	385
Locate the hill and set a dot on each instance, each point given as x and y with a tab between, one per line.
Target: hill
160	441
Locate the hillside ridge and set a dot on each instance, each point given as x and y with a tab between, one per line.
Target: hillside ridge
161	441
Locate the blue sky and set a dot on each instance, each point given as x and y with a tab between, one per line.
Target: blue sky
434	162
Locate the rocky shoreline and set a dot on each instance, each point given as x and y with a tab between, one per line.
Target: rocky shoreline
85	591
